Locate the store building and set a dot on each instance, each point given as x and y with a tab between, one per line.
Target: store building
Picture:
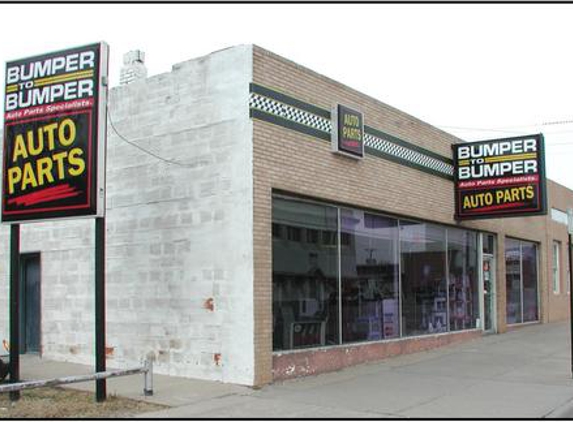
250	252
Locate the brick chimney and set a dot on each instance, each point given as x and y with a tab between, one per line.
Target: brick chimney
133	67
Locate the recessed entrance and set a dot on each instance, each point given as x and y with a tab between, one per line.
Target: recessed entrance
30	319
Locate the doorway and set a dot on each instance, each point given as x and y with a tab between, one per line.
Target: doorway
488	283
30	317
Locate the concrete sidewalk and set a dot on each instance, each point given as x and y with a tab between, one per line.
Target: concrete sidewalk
525	373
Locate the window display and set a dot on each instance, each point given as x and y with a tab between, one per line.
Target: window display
305	275
463	286
521	281
369	271
344	275
529	270
423	264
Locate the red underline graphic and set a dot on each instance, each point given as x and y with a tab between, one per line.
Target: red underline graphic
46	195
499	207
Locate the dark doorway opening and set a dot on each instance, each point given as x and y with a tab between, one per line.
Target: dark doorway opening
30	303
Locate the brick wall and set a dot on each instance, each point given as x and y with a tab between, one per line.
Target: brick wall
558	304
303	165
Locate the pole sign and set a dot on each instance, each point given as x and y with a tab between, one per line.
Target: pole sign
500	178
347	132
54	135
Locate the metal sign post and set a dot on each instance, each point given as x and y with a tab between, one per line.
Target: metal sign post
14	308
100	306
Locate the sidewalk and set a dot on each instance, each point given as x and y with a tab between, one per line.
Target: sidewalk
525	373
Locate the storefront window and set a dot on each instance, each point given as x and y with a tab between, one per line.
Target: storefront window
521	281
423	264
305	275
529	268
513	281
369	272
343	275
463	286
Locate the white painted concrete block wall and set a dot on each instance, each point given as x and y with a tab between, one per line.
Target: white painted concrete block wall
179	237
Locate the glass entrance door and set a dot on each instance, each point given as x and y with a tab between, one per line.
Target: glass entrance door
488	281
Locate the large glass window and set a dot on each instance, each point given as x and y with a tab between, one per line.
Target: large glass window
529	269
513	281
424	288
521	281
369	272
463	286
343	275
305	275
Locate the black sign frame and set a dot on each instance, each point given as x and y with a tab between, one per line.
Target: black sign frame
541	183
341	143
43	101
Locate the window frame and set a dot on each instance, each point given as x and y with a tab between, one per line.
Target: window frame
556	267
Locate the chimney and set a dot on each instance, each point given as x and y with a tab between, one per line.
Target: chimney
133	67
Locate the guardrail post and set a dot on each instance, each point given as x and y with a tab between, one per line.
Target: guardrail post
148	387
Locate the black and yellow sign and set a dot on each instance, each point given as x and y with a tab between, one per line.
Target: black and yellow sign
500	178
348	131
54	135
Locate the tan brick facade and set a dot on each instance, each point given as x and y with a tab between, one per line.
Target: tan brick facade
291	162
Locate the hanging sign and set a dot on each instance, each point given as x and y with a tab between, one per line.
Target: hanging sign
347	132
54	135
500	178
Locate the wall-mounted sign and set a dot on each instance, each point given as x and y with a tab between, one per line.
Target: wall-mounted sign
54	135
500	178
347	132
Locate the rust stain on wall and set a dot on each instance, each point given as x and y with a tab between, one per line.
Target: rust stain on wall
209	304
217	358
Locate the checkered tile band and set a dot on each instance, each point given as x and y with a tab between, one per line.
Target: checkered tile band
415	157
276	108
386	146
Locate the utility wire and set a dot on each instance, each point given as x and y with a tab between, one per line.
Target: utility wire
133	144
506	128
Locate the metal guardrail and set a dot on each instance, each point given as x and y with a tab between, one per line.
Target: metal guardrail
146	369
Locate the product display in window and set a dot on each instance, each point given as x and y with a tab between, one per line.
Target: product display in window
343	275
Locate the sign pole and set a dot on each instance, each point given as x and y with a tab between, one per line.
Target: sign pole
100	305
570	233
14	308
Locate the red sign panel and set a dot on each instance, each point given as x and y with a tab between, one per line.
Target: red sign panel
54	135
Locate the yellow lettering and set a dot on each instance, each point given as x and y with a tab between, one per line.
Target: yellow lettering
78	164
19	148
71	129
28	177
44	168
32	150
14	176
529	192
59	159
50	129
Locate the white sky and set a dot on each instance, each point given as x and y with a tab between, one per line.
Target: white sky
503	67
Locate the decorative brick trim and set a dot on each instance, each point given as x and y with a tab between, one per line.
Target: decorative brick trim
291	113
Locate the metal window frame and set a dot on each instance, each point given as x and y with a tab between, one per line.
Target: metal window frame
556	267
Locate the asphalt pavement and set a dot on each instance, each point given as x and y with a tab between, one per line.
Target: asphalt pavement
525	373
